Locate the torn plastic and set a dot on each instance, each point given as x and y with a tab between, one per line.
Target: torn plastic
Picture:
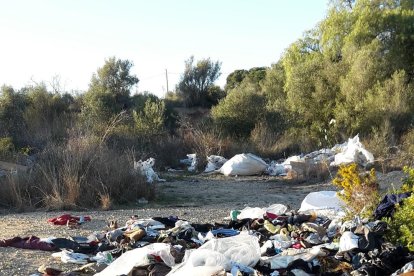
276	169
145	169
190	161
138	257
244	164
352	152
214	162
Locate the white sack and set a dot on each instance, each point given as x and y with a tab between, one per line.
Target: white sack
244	164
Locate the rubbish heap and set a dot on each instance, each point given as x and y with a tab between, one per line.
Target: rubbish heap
315	240
245	164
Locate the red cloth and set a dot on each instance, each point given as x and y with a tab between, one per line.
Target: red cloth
31	242
64	219
271	216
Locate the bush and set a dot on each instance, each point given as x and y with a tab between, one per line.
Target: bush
238	113
407	148
401	225
6	147
360	190
83	172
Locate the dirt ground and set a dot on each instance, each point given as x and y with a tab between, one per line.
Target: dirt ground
194	198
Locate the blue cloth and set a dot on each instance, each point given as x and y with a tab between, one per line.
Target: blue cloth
386	207
225	232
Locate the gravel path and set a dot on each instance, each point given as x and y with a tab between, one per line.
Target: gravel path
197	199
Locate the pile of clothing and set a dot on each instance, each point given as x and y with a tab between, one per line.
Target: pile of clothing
253	241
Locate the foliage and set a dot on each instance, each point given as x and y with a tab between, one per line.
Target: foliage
255	75
401	224
12	123
234	79
6	147
150	121
238	113
360	190
109	91
196	81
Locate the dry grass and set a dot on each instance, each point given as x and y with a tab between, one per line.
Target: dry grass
80	173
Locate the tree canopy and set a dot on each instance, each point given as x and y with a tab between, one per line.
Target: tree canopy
197	80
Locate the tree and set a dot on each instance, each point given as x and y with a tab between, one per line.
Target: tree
255	75
240	110
12	123
109	90
197	80
234	79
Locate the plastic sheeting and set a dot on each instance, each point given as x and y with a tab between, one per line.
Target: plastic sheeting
221	254
138	257
321	200
244	164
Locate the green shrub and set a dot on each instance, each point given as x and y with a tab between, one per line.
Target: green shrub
6	147
401	225
238	113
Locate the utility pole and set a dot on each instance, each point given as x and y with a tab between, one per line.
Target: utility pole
166	77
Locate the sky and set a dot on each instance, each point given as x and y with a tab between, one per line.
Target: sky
69	40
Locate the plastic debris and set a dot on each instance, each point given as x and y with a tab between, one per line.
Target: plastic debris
145	169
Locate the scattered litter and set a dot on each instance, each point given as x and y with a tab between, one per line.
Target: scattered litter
145	169
190	161
256	241
214	162
68	219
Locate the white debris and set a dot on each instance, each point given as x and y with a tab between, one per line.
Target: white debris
214	162
352	151
145	169
244	164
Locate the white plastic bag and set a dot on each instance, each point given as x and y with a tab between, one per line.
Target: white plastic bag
214	162
243	248
276	169
251	213
145	169
276	209
353	151
138	257
348	241
193	165
244	164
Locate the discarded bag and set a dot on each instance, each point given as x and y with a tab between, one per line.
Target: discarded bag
352	152
321	200
145	169
138	257
244	164
214	162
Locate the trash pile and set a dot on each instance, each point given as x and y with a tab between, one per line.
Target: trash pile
246	164
315	240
